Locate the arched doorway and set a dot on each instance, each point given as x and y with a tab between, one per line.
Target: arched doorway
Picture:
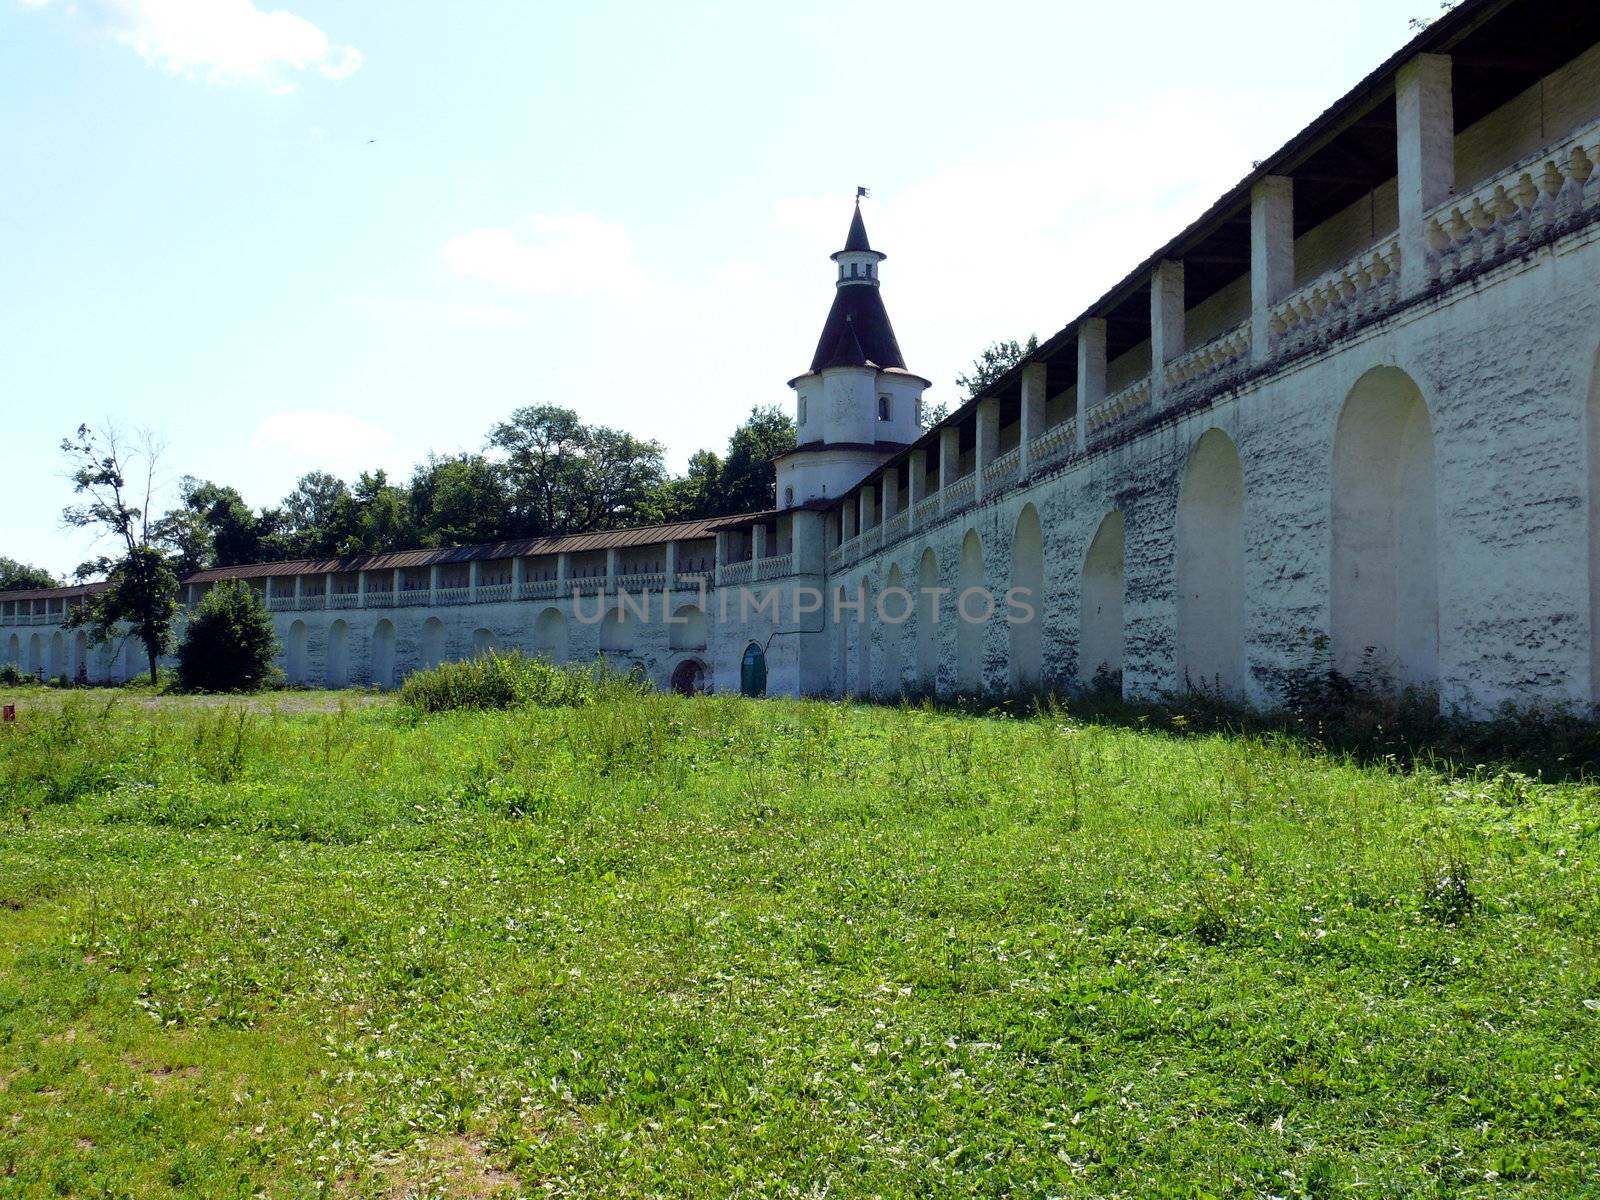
14	650
58	655
928	621
1027	589
972	603
1384	588
35	654
80	657
383	654
1100	622
753	671
689	677
1209	537
484	643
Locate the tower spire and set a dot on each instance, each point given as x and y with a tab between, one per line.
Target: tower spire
857	332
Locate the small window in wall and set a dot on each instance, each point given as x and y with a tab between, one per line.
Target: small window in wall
788	497
855	270
802	412
883	408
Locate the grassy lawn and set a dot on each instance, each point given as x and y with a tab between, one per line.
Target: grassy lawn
711	947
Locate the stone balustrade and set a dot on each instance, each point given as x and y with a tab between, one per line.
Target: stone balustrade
343	600
871	539
927	508
896	526
775	567
413	598
33	618
452	595
489	593
735	573
1543	194
962	491
1224	355
542	589
640	581
1119	405
1005	468
1057	442
1337	299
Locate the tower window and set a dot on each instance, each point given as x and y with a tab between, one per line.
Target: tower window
802	407
883	408
788	497
855	270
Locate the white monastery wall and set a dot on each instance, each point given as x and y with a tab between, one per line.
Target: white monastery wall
1383	438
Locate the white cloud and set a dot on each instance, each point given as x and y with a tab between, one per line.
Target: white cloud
580	253
336	442
222	41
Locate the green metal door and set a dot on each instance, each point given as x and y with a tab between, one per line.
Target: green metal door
753	672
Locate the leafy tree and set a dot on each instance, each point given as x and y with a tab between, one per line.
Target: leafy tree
544	447
19	576
618	480
458	501
743	481
564	476
383	519
995	361
932	414
749	481
142	591
229	643
310	528
693	496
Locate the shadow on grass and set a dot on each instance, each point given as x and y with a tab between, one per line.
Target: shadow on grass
1334	714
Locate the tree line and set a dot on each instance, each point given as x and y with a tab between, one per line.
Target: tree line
543	473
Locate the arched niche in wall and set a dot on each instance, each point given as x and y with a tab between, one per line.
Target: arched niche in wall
1383	585
1209	551
971	603
928	615
1100	636
1026	591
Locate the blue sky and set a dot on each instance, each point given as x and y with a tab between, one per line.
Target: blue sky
341	235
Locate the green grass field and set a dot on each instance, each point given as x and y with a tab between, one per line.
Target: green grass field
665	947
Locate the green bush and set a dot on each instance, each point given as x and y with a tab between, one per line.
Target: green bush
508	680
229	643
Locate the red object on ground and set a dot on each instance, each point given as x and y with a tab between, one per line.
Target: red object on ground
10	712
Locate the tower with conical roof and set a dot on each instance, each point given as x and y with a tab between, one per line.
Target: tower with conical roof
857	405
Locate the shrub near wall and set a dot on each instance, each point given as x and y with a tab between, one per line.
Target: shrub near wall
496	680
229	643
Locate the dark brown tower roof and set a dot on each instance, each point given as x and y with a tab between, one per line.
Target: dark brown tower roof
857	332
